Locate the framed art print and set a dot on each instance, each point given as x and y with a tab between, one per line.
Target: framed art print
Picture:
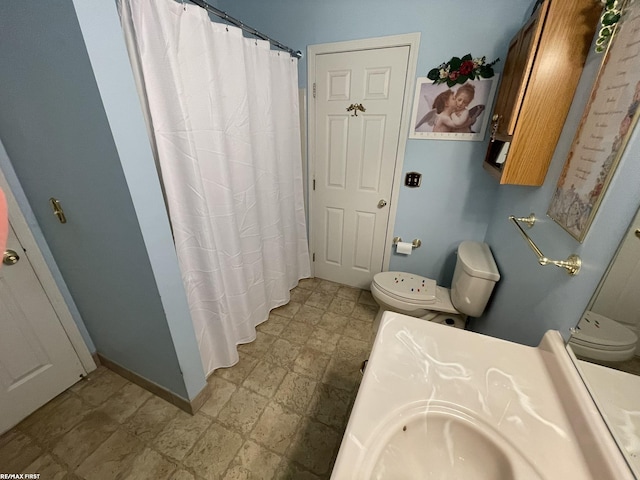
459	112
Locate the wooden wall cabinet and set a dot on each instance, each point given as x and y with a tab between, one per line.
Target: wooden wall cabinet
542	70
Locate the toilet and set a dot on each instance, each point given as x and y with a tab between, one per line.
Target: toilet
474	277
599	338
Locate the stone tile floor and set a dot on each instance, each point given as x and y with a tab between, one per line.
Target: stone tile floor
279	413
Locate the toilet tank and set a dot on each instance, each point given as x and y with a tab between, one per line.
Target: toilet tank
474	277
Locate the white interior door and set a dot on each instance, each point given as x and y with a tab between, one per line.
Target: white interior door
37	360
355	159
618	295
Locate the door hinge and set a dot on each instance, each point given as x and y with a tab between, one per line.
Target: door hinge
313	257
314	89
314	184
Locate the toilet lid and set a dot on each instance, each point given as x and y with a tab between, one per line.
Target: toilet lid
407	285
599	330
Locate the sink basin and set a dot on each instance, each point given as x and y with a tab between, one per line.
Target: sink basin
442	403
441	442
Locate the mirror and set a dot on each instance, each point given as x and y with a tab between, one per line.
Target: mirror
611	368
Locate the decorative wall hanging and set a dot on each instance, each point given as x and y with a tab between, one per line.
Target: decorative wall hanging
450	102
607	123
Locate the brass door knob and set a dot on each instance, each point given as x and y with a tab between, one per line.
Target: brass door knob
10	257
382	203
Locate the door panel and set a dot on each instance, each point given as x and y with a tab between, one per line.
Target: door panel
339	85
37	360
372	153
377	83
355	160
364	232
337	151
334	228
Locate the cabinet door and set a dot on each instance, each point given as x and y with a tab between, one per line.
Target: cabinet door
517	70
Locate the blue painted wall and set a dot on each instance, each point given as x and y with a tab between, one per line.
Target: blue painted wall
530	299
18	193
456	198
78	135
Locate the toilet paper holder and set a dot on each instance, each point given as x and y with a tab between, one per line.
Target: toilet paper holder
415	244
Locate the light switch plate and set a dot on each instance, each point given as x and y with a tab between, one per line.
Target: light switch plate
412	179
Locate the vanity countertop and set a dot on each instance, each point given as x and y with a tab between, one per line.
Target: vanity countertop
617	395
514	397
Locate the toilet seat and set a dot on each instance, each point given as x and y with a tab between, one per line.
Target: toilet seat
600	338
411	289
600	332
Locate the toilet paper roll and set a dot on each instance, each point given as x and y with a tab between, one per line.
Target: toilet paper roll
404	248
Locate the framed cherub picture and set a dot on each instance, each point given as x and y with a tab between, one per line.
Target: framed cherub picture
457	112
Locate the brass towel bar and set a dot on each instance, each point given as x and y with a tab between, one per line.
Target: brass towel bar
571	264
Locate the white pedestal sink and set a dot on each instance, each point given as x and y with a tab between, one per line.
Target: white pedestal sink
442	403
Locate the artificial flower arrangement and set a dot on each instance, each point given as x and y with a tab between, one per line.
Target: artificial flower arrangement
459	70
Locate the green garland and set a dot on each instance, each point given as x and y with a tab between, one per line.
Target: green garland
610	16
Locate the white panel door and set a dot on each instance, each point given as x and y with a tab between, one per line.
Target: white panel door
355	159
37	360
618	296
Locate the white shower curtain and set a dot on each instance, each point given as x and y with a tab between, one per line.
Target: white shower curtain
224	120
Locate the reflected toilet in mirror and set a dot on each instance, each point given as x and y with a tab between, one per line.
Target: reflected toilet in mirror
600	338
608	331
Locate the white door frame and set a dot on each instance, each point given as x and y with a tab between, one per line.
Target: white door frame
412	40
41	269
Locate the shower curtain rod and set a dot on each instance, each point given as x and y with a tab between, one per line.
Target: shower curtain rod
246	28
